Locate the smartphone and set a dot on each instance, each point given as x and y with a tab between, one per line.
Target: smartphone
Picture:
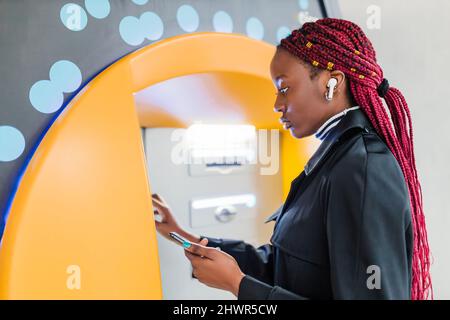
183	241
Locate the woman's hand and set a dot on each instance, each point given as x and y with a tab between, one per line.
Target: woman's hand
168	222
214	268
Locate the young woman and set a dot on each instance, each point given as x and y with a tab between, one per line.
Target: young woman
352	226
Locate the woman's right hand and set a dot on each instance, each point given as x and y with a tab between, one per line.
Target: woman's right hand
168	222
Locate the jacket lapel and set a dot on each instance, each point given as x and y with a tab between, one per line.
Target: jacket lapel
292	191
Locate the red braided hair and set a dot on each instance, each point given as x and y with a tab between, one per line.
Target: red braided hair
336	44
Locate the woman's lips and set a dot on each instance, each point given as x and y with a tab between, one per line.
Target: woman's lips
287	125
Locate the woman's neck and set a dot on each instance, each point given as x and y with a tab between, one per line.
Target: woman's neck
332	122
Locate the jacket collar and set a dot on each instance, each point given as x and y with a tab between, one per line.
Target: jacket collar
353	119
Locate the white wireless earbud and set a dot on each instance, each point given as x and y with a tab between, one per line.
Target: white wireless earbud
330	86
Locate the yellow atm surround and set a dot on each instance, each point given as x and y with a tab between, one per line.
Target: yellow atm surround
81	223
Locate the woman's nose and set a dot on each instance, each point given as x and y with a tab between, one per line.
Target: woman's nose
279	107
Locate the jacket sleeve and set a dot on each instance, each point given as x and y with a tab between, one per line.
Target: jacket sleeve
253	289
255	262
369	227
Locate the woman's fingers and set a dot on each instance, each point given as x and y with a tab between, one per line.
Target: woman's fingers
201	251
160	206
194	259
160	199
159	215
157	203
157	196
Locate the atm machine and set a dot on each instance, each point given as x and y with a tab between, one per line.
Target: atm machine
208	175
82	196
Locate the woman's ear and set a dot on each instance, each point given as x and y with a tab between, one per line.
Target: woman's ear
340	77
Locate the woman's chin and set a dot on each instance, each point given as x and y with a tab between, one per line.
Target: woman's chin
295	132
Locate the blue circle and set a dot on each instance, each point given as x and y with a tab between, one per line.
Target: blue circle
73	17
151	25
131	31
12	143
304	4
45	96
187	18
222	22
140	2
99	9
255	28
282	33
65	76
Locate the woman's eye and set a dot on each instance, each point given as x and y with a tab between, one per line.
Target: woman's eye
283	90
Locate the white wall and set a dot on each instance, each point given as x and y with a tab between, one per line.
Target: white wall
414	51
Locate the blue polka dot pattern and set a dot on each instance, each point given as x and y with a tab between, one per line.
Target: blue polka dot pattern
304	4
47	96
65	75
130	31
140	2
99	9
187	18
12	143
282	33
222	22
152	26
134	30
73	17
255	28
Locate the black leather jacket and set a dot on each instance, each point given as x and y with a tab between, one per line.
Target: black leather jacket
344	231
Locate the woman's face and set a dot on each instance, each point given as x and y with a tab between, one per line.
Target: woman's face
300	99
